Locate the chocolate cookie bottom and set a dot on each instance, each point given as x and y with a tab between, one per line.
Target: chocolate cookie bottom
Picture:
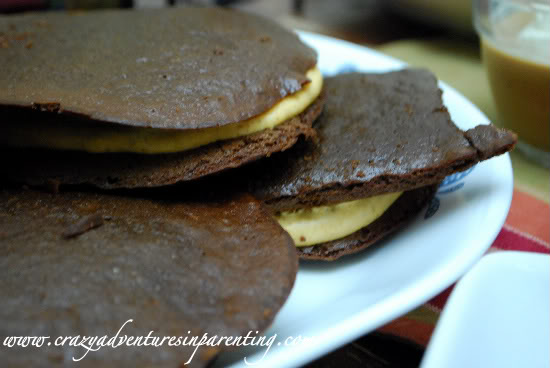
131	170
399	214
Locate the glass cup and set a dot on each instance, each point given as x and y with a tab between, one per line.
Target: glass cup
515	48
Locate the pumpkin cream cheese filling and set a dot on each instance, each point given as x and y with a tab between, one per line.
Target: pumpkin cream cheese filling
97	139
317	225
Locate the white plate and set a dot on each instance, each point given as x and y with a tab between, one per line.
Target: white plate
334	303
497	316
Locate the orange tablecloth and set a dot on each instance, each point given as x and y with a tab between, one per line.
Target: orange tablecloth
526	229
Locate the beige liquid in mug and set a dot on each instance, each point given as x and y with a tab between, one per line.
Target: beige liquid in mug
518	66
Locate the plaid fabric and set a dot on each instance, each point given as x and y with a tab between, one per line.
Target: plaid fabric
526	229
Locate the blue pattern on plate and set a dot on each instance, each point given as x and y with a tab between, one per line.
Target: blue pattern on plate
454	178
453	182
450	184
451	189
433	206
347	68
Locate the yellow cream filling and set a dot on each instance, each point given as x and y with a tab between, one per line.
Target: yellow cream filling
325	223
146	140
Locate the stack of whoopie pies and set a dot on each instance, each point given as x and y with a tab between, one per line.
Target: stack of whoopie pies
98	108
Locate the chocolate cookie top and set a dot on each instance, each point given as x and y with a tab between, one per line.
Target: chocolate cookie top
84	264
182	68
378	133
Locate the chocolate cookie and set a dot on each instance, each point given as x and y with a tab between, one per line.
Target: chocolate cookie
82	264
177	68
379	133
170	70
